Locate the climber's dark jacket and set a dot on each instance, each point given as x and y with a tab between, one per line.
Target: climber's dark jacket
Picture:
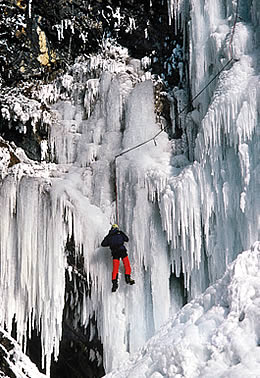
115	240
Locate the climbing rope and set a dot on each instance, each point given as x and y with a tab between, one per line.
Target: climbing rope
116	194
180	112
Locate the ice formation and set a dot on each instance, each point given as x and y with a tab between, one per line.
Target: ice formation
216	334
185	218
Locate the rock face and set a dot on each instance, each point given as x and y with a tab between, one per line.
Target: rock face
40	37
13	362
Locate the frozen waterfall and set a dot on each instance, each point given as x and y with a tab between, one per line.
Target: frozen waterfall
215	335
189	206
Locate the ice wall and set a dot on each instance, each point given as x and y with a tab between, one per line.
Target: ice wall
28	290
209	208
184	218
44	205
217	334
38	213
204	209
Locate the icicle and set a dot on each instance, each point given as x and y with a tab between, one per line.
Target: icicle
30	9
91	94
176	11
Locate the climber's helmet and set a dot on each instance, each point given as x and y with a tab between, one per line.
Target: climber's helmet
114	226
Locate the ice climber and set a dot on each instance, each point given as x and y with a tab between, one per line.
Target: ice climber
115	240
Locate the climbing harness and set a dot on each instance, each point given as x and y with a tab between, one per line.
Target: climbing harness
180	112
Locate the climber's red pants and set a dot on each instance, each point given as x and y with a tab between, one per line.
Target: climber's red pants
116	263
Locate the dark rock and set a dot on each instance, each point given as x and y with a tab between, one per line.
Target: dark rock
6	346
13	158
29	141
41	37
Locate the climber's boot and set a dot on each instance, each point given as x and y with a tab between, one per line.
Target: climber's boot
129	280
114	285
